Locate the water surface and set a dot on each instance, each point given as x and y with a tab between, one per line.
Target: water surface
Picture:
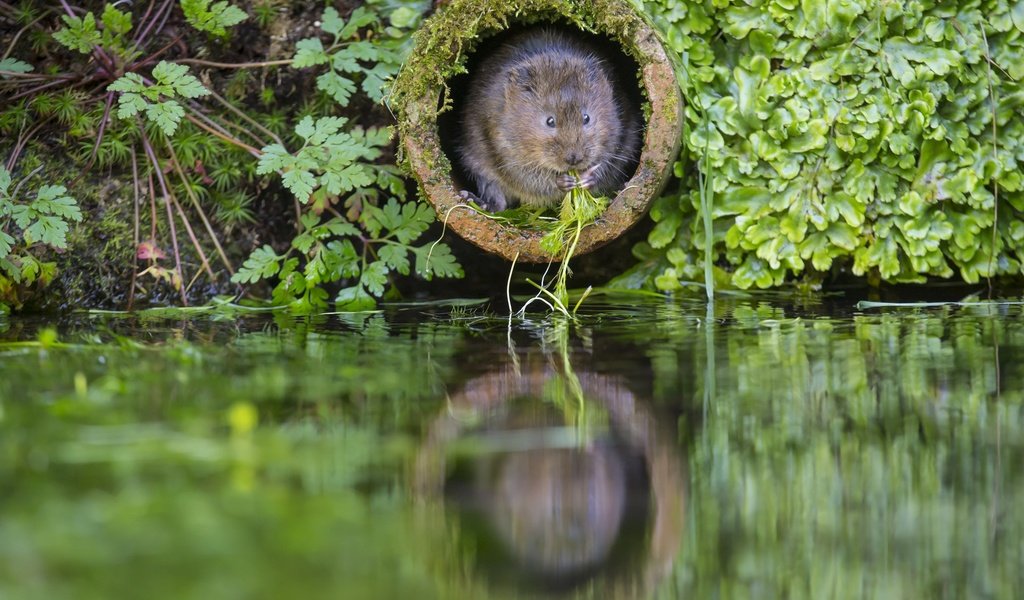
650	449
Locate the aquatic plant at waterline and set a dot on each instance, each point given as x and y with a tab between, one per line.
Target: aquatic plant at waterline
579	209
884	139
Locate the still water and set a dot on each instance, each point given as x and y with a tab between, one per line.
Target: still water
650	449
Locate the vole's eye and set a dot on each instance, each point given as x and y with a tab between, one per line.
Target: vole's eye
550	121
586	119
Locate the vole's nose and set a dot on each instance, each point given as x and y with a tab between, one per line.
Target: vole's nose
573	159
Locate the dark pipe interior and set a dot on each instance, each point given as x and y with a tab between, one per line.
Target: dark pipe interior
625	68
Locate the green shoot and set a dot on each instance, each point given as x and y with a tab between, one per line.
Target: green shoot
579	209
348	56
331	161
44	221
215	18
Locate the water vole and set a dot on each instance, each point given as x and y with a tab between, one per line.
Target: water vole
543	104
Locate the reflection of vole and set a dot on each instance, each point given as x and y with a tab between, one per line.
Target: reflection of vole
560	510
542	105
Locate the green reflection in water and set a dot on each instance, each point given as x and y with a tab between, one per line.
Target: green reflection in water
868	456
827	455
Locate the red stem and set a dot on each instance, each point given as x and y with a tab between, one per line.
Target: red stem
152	57
170	214
99	136
135	247
40	88
144	32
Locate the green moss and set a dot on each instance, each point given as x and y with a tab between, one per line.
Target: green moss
96	269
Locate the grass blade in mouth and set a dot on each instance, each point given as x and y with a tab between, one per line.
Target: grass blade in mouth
579	209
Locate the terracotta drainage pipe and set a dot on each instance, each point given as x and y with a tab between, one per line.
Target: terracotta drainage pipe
421	92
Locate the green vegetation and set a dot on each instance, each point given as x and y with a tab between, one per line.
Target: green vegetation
202	166
875	455
157	100
43	222
328	249
873	137
579	209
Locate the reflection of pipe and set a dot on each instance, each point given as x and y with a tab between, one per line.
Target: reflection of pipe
632	419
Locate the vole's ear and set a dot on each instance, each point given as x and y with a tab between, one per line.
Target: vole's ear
521	80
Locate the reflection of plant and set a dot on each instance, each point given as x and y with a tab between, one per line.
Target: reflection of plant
564	389
880	137
44	221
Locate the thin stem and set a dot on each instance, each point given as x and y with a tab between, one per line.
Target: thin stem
143	32
34	76
10	47
145	15
152	57
163	20
245	117
23	141
135	237
40	88
199	208
192	236
99	136
241	129
995	158
170	215
247	65
152	209
14	192
227	138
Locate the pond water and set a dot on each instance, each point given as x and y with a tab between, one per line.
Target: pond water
652	448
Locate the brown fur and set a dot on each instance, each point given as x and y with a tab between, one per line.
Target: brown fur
507	147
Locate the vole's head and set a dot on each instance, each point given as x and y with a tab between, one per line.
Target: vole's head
561	113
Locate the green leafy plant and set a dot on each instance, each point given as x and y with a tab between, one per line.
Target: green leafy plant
10	66
214	18
579	209
112	62
329	160
25	228
376	239
348	57
156	100
133	62
879	138
363	256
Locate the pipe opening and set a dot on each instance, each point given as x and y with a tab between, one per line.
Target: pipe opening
622	66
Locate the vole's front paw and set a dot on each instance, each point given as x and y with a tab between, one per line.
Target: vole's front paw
588	177
566	182
492	202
